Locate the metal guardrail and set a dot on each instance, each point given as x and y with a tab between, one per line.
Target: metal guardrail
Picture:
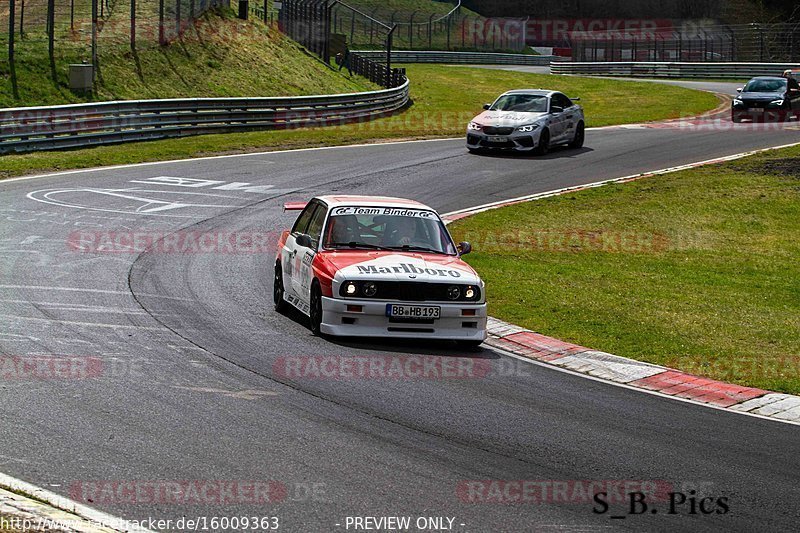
672	70
470	58
24	129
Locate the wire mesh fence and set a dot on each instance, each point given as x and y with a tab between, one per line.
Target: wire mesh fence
741	43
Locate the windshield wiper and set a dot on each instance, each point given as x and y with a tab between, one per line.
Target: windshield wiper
354	244
417	249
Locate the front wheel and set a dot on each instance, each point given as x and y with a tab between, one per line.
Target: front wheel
580	134
544	143
315	309
278	290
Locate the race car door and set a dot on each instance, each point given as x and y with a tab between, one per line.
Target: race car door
570	117
558	117
289	253
302	273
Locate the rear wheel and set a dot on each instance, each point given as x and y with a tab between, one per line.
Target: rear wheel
580	134
315	309
544	143
277	289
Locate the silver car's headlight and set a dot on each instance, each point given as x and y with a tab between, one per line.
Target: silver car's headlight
529	128
474	126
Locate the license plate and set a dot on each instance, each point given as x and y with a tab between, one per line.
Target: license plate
413	311
496	139
756	110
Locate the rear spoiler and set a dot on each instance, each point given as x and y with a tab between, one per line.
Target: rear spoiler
294	206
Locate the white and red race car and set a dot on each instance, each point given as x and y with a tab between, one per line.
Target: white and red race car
378	267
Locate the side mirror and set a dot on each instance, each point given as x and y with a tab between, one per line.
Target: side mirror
556	109
304	241
487	106
738	90
464	248
575	99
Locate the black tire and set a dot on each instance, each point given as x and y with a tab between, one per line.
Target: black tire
315	309
474	150
544	143
735	118
580	134
278	289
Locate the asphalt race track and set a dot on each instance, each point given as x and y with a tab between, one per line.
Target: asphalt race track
191	351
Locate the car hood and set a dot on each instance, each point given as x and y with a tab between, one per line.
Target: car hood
761	96
507	118
393	266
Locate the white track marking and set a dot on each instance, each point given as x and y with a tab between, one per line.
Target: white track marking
668	170
65	504
637	389
98	291
10	318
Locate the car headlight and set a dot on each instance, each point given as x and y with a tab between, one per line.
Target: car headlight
474	126
370	289
737	101
529	128
470	293
453	292
778	102
350	288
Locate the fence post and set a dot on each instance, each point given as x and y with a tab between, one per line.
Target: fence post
22	20
11	62
94	41
72	16
133	25
448	31
178	17
51	36
161	39
389	41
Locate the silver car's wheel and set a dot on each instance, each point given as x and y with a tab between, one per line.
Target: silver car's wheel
580	134
544	143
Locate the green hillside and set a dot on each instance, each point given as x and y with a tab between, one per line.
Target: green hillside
219	57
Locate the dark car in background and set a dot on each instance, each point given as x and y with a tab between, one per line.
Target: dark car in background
765	98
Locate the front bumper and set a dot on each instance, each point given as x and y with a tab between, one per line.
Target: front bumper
517	140
372	321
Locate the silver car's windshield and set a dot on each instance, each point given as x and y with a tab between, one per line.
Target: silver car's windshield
765	86
385	228
523	103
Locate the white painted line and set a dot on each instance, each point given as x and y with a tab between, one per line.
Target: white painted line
97	291
637	389
556	192
614	372
65	504
9	318
231	156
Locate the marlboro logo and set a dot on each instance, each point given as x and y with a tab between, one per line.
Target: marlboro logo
407	268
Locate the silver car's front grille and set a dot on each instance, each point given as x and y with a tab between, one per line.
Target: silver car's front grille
492	130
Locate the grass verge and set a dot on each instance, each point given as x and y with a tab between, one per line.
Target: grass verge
437	111
696	270
218	56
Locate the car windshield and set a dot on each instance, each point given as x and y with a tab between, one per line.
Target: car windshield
765	86
387	228
523	103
